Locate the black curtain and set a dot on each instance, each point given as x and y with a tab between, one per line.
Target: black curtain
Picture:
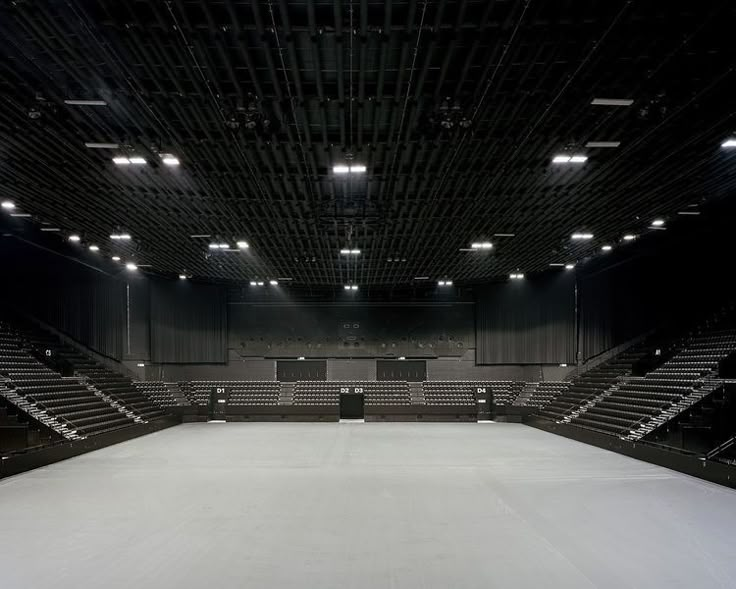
77	299
188	322
527	321
620	302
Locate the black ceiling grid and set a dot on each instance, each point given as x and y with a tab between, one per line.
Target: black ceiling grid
456	108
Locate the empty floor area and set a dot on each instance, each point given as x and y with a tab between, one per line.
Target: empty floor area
317	505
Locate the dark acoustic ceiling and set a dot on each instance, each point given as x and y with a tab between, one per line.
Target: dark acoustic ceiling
456	108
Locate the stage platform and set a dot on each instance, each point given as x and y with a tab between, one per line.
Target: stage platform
362	506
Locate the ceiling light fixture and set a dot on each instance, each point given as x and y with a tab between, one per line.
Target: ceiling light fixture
96	145
517	276
578	159
243	245
729	143
169	160
75	238
561	159
504	235
557	264
50	229
116	258
120	236
606	248
483	245
121	161
131	266
603	144
94	248
657	222
340	169
444	283
260	283
581	236
360	169
75	102
688	212
629	237
8	205
421	278
569	266
273	282
138	160
612	101
182	276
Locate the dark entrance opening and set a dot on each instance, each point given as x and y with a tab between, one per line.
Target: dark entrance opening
351	406
218	403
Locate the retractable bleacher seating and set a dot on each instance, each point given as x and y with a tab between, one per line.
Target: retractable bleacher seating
638	400
539	394
66	399
589	385
160	394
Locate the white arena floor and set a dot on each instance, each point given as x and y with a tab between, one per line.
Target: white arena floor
341	506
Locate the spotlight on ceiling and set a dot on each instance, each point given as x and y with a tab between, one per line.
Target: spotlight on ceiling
581	236
561	159
253	283
98	145
169	160
351	287
259	283
340	169
242	245
516	276
182	276
75	238
120	236
8	205
94	248
629	237
116	258
137	160
273	282
729	143
444	283
121	161
606	248
482	245
350	252
131	266
603	144
360	169
657	222
578	159
569	266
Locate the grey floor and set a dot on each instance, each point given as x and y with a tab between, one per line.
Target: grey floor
362	506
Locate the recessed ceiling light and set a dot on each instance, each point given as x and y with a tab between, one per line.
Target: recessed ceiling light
243	245
75	238
120	236
561	159
95	145
253	283
346	287
603	144
169	159
482	245
569	266
355	252
657	222
74	102
517	276
606	248
730	142
121	161
340	169
578	159
94	248
223	246
131	266
629	237
612	101
354	287
273	282
137	160
116	258
260	283
444	283
357	169
182	276
581	236
8	205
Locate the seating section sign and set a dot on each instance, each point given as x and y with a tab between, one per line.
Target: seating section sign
351	390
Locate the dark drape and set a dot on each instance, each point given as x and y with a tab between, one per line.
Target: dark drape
619	303
86	304
527	321
188	322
